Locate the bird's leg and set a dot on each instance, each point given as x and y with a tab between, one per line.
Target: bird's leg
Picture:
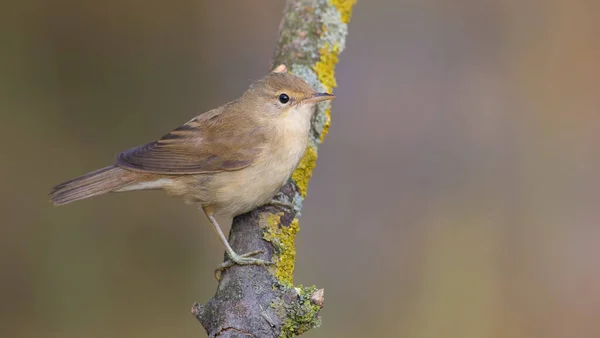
283	204
234	258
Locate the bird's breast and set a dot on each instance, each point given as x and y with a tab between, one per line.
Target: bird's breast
243	190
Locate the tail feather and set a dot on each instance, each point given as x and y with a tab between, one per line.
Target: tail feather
92	184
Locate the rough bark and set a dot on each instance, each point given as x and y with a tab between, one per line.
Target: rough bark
253	301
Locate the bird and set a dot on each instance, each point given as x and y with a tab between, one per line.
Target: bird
227	161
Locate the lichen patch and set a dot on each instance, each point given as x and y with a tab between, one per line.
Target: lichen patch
303	173
345	8
283	238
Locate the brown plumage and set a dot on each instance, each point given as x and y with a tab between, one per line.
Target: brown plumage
228	160
92	184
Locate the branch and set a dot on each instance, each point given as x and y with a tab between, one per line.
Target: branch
254	301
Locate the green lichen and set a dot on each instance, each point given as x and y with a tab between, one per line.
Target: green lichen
344	7
334	30
301	315
297	204
303	172
327	124
308	74
283	238
320	123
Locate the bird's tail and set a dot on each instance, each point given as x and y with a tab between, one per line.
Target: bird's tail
91	184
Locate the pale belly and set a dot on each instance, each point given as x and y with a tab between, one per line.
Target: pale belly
240	191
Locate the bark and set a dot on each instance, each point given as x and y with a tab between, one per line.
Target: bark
254	301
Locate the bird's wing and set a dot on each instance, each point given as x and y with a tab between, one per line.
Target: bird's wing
206	144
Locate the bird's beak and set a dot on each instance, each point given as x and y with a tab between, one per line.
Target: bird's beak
318	97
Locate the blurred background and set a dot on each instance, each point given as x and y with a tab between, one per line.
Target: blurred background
456	195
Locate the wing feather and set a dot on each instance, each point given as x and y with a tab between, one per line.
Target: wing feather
202	145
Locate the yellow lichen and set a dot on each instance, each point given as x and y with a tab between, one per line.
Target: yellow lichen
345	8
325	67
300	315
325	70
327	123
283	238
304	171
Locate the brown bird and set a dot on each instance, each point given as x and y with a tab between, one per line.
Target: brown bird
228	160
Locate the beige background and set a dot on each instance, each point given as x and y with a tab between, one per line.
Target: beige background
457	194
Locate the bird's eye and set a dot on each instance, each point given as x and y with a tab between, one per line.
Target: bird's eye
283	98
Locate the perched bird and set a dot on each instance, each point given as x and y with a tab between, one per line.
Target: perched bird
227	161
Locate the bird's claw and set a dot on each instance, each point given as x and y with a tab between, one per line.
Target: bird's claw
241	260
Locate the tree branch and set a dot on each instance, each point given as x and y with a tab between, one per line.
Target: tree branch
254	301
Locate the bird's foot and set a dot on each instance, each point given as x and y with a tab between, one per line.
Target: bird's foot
282	204
244	259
